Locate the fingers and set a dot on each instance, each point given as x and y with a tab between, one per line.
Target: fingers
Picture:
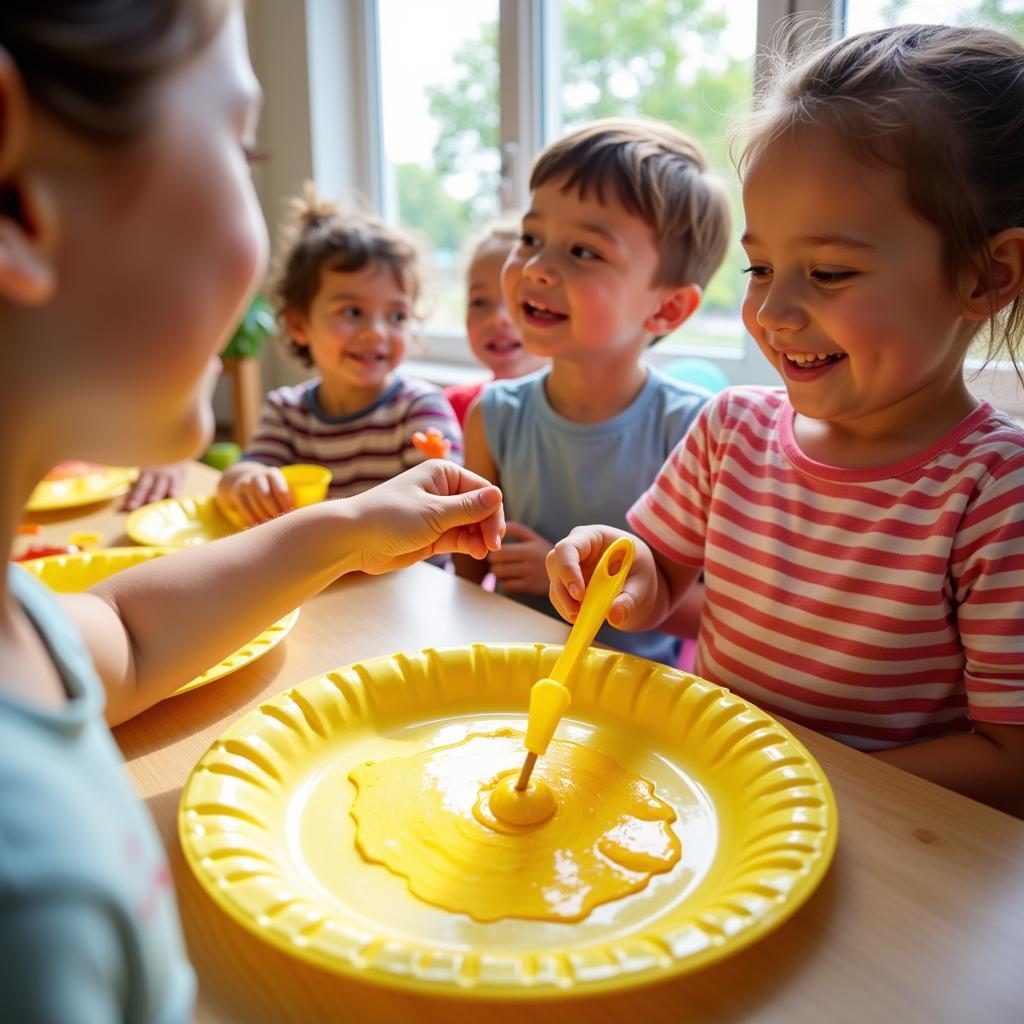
461	540
481	507
564	571
263	495
142	493
622	608
154	485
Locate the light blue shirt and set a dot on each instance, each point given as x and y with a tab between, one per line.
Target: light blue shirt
89	928
557	474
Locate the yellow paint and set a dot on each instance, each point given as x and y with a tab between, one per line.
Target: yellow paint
447	820
510	806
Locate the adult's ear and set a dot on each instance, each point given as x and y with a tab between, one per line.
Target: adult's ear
674	310
27	275
1002	280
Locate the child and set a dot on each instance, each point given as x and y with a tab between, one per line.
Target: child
131	239
861	532
625	228
346	297
492	332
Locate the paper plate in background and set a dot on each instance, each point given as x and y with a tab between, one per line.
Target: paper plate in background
265	825
70	574
68	492
178	522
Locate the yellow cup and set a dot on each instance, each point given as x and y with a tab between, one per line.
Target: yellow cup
308	483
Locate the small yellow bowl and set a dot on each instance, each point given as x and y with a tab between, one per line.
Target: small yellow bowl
308	483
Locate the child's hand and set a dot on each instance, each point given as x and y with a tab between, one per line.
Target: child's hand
519	567
154	484
251	493
431	509
573	560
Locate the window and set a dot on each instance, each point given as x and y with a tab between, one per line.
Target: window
690	64
864	15
439	107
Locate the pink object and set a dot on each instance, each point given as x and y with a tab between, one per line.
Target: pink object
687	655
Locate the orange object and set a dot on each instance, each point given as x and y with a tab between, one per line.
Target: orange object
433	443
29	529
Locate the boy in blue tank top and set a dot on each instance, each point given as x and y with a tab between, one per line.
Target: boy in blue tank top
625	228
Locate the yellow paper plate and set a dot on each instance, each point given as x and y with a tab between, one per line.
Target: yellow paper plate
106	482
265	825
178	522
69	574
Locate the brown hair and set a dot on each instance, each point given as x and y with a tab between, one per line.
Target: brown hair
945	105
659	175
94	65
319	233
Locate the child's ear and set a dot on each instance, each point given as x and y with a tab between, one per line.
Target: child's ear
1002	281
26	217
297	327
674	310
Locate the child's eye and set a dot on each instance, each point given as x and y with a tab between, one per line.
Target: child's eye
582	252
479	303
832	276
350	312
757	270
527	241
398	316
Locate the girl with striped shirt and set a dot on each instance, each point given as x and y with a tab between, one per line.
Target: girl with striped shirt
346	298
861	530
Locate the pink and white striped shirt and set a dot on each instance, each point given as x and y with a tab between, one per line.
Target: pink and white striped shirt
881	606
362	449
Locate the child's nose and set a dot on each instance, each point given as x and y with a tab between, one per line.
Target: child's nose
374	327
779	311
540	269
501	317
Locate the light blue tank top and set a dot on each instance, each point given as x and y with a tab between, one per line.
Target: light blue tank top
556	474
88	921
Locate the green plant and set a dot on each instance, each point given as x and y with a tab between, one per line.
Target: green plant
256	326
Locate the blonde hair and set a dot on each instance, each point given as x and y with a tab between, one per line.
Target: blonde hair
943	104
505	230
319	233
659	175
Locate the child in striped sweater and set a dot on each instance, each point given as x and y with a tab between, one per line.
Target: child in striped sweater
346	298
861	531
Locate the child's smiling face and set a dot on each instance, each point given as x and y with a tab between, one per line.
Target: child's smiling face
157	247
579	282
493	335
357	331
847	296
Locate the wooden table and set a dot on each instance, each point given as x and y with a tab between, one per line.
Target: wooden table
921	917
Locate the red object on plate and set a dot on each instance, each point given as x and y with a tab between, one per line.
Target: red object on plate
42	550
